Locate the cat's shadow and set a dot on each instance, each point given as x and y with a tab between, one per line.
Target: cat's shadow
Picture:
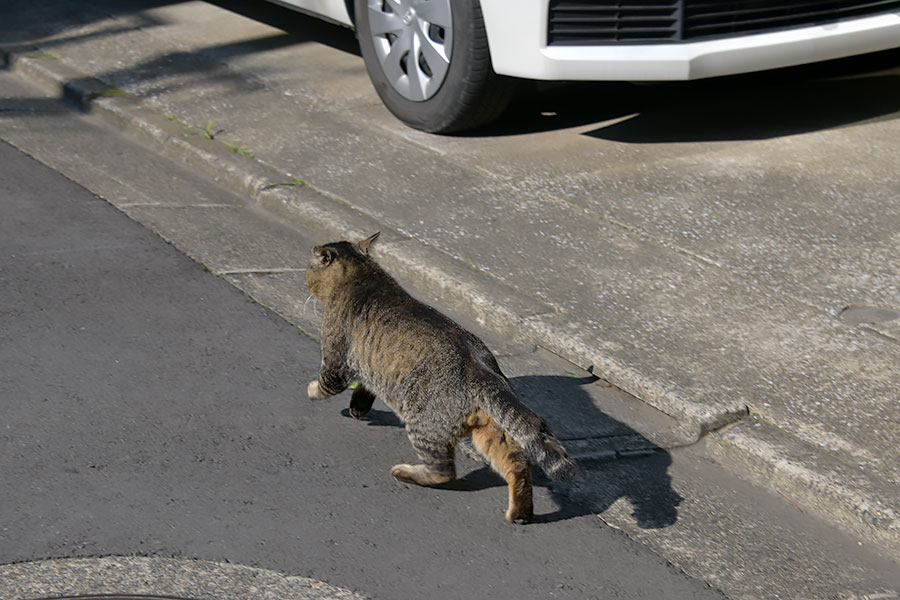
642	480
377	418
627	466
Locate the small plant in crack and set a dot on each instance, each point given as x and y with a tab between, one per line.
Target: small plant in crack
208	130
293	182
239	148
114	93
40	54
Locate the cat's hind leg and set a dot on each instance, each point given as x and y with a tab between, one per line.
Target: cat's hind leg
438	462
505	457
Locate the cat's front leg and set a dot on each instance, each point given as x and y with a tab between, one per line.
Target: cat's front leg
334	375
325	386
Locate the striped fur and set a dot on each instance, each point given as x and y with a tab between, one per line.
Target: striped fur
440	379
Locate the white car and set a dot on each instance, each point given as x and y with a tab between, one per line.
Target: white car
449	65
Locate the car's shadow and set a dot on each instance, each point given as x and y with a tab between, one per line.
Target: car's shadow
744	107
642	480
301	27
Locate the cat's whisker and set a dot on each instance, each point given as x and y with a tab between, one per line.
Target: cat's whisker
315	305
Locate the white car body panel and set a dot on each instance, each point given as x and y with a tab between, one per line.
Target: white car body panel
332	10
517	35
517	38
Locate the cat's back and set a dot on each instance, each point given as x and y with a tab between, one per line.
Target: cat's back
397	334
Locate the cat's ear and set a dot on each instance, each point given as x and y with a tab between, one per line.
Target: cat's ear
364	245
323	256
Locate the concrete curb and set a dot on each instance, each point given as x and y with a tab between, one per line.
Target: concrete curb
493	304
814	479
169	577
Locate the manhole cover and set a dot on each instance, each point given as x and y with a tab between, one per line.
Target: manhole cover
856	314
150	578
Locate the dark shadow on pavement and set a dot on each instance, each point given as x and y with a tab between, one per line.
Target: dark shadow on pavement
629	466
300	27
24	19
713	113
744	107
378	418
171	71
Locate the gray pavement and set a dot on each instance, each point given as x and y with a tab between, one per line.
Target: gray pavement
695	245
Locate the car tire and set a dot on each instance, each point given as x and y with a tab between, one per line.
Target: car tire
449	85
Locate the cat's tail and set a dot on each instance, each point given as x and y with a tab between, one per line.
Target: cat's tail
527	429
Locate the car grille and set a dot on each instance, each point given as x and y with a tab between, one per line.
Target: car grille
594	22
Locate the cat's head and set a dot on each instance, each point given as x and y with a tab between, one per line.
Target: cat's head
334	263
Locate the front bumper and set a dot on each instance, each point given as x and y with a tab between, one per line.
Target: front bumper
517	35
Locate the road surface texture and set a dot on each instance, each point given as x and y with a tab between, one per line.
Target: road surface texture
703	322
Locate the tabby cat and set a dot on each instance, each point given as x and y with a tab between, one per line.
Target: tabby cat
440	379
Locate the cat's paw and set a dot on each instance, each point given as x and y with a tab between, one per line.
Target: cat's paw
312	390
402	473
419	475
520	515
357	413
361	402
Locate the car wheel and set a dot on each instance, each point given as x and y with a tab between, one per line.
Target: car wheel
429	62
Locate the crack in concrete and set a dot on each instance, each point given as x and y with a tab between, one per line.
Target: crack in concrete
259	271
169	205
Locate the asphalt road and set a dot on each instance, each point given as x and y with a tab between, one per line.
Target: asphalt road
150	408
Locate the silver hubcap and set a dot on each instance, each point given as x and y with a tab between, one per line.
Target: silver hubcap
412	40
